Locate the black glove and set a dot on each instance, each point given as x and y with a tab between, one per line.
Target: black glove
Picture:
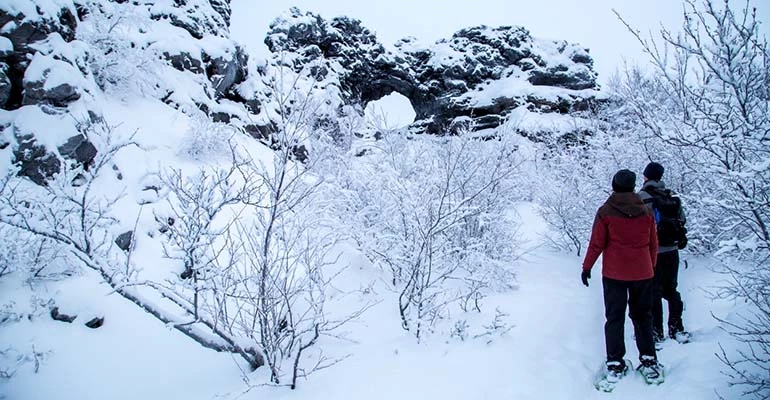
682	243
585	276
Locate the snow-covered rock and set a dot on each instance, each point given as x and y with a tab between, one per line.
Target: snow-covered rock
478	76
22	23
52	81
200	18
5	84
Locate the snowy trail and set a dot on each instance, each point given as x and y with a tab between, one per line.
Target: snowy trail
552	353
571	344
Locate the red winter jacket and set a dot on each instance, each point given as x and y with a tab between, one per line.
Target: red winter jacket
624	230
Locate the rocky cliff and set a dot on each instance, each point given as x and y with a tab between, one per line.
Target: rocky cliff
60	58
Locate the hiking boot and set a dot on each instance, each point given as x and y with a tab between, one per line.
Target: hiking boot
681	337
675	325
651	370
676	331
616	370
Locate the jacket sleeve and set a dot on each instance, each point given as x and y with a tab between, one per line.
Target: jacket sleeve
597	243
682	215
653	242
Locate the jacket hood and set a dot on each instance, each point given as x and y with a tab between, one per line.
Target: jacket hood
629	205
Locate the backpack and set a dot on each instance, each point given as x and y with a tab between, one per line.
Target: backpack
667	208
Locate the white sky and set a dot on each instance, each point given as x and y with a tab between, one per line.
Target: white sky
588	22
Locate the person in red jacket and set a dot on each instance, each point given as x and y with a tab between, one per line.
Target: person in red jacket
624	232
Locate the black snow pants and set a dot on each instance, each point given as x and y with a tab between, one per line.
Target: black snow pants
665	283
638	296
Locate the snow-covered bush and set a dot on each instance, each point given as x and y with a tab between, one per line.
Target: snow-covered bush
121	63
194	222
574	178
432	212
257	246
205	139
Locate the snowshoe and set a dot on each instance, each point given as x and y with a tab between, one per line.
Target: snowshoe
610	374
651	370
682	337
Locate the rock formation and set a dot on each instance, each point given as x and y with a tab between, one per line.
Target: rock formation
477	76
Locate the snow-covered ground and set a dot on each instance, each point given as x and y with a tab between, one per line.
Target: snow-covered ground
552	352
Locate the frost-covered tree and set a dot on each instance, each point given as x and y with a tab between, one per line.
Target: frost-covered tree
709	102
72	214
575	170
276	276
431	211
194	222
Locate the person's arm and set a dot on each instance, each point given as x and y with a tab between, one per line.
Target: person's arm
646	199
653	242
597	244
682	214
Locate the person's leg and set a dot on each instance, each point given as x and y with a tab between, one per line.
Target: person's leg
669	271
615	299
657	305
640	304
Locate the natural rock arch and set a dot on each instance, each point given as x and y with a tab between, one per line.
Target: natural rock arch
479	75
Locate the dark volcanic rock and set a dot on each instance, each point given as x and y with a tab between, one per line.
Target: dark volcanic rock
198	17
80	149
260	132
23	33
226	72
59	316
39	164
184	62
449	83
370	71
5	85
123	241
95	322
58	96
222	7
35	161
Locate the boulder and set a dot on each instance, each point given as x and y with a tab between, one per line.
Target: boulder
61	95
59	316
5	85
39	164
184	62
35	161
53	81
95	322
79	149
124	240
261	132
225	72
22	32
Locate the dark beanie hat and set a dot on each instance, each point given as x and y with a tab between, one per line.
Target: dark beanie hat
624	181
653	171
